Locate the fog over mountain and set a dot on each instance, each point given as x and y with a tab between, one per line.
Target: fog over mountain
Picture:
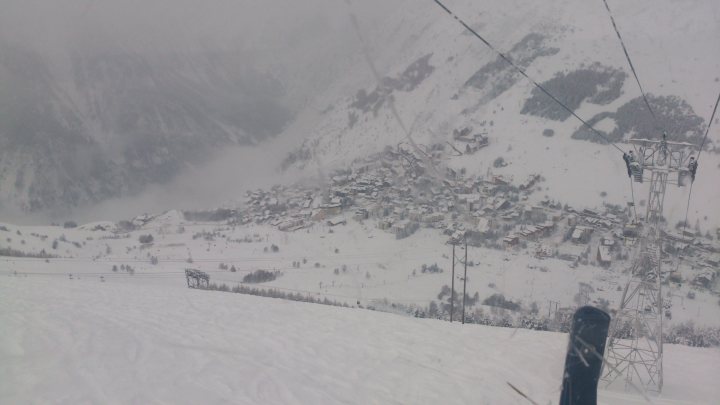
109	108
100	99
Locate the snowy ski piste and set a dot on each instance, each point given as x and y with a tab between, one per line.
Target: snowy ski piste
81	341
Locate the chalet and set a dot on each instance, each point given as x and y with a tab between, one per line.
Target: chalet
581	234
473	201
338	200
704	279
499	180
361	214
290	224
678	237
572	253
472	143
572	220
511	216
604	257
500	204
340	180
433	217
589	212
336	222
529	182
713	260
538	214
414	214
385	224
548	227
483	225
403	229
331	209
511	240
379	211
456	236
530	232
542	251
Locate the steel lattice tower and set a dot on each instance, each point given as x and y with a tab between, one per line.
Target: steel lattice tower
635	343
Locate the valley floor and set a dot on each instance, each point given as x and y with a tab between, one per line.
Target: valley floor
83	341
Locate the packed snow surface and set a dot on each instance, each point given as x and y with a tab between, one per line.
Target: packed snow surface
83	341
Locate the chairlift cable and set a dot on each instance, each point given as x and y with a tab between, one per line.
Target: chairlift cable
524	74
366	53
541	88
702	145
627	56
707	130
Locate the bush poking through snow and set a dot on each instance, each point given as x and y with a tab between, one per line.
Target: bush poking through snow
499	300
261	276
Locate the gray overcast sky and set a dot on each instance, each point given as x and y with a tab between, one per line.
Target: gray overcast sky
171	23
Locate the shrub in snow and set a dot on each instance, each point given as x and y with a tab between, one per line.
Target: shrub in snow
261	276
433	268
499	300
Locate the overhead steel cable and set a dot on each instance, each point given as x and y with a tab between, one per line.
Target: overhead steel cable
522	72
627	56
540	87
702	145
366	53
707	130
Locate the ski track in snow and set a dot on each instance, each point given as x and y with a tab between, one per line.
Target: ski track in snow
81	341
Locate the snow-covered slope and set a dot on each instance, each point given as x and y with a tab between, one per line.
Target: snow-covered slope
466	85
80	341
356	263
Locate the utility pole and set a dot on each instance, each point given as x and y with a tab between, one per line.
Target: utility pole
464	283
452	285
552	308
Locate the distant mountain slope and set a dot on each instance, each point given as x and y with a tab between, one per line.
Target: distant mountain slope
569	47
90	125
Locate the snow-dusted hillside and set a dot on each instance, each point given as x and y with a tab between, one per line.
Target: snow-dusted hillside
85	125
82	341
466	85
355	263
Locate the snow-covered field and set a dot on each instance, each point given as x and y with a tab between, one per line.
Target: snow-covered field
371	264
82	341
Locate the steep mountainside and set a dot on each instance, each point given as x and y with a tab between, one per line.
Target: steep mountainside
570	48
88	125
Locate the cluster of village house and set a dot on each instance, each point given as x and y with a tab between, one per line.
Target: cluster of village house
394	190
